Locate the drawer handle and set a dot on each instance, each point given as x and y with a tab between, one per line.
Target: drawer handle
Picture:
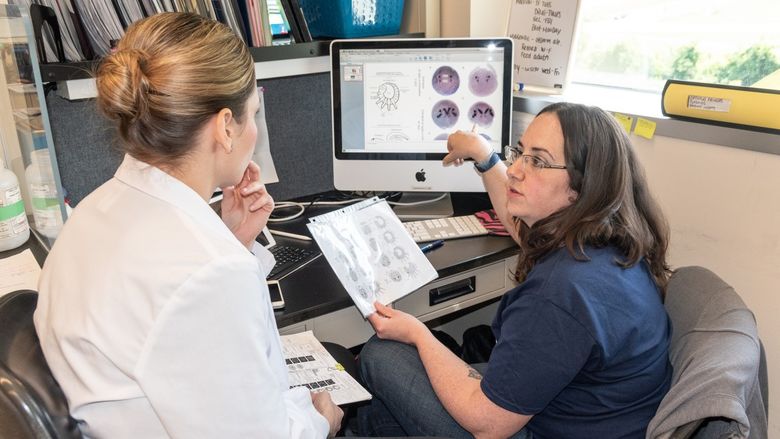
452	291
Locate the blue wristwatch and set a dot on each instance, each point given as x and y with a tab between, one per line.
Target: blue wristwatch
485	166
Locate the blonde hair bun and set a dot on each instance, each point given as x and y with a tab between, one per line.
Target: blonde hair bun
170	74
123	85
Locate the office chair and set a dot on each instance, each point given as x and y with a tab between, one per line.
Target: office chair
719	385
32	404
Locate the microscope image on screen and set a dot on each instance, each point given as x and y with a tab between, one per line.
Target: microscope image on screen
416	103
395	103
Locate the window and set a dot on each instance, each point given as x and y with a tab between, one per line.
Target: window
639	44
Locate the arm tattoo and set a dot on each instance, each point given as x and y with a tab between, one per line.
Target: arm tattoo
473	373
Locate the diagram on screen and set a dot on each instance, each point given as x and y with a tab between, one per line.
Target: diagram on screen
446	80
445	113
483	81
387	96
417	106
397	137
481	113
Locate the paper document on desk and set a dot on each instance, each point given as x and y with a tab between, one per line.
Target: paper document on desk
371	253
19	272
262	154
310	365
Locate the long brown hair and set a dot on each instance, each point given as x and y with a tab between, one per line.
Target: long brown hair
170	73
614	206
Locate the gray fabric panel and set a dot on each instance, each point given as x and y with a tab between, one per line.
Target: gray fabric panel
85	143
299	128
297	111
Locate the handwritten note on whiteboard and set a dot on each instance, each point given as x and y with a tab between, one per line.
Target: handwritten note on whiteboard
542	32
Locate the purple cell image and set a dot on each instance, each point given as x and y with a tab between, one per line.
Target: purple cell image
481	114
445	80
483	81
442	136
445	113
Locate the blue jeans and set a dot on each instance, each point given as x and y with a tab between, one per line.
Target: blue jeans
404	403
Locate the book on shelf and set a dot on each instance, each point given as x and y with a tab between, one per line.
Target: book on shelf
298	28
371	253
87	27
300	20
310	365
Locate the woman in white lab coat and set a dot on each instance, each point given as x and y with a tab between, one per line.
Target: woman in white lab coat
153	313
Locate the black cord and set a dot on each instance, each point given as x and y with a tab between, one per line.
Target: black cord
49	86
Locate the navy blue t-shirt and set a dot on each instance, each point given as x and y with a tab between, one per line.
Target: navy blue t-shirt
583	346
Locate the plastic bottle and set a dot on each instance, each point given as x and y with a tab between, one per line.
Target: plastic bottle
43	191
14	230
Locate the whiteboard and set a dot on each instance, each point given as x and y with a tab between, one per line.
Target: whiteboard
543	33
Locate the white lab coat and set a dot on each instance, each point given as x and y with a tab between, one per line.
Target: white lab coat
156	321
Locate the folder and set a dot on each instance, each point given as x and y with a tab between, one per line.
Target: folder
726	105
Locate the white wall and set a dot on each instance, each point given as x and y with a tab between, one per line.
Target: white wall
723	205
471	18
421	16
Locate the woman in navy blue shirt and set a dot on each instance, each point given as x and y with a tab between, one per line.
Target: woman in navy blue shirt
582	342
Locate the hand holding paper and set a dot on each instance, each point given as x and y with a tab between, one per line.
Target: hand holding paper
371	253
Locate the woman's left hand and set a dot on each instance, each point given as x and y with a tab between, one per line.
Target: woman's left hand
392	324
247	206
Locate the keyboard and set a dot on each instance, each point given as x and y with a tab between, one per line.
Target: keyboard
451	227
289	258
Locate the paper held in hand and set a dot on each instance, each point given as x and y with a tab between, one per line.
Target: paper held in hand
310	365
371	253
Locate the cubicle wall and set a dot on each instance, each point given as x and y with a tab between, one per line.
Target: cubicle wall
299	127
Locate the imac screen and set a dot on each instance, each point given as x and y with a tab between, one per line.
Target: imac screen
399	100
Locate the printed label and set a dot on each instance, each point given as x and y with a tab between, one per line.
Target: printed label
12	211
708	103
12	220
42	191
45	203
10	196
47	218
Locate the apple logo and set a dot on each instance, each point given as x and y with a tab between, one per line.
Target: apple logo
420	175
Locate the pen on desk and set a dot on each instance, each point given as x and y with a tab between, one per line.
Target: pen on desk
289	235
432	246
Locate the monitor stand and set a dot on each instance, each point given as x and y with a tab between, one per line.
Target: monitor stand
437	209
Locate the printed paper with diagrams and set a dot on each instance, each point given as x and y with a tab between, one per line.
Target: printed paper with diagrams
371	253
310	365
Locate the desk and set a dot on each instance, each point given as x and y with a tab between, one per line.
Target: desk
316	300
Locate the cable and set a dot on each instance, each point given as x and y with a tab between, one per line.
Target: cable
301	207
287	205
417	203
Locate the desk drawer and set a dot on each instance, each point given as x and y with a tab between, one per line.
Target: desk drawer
297	328
453	293
346	327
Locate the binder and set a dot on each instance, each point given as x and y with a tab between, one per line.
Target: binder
289	13
725	105
300	20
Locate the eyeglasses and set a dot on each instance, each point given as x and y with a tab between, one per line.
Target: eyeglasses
537	163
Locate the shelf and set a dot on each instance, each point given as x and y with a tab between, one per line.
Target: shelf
22	87
301	51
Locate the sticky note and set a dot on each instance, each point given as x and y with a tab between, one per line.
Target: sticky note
625	121
644	128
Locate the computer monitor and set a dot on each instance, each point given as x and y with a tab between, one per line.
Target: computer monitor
396	101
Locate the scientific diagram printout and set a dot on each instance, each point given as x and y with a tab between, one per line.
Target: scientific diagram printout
371	253
310	365
415	106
